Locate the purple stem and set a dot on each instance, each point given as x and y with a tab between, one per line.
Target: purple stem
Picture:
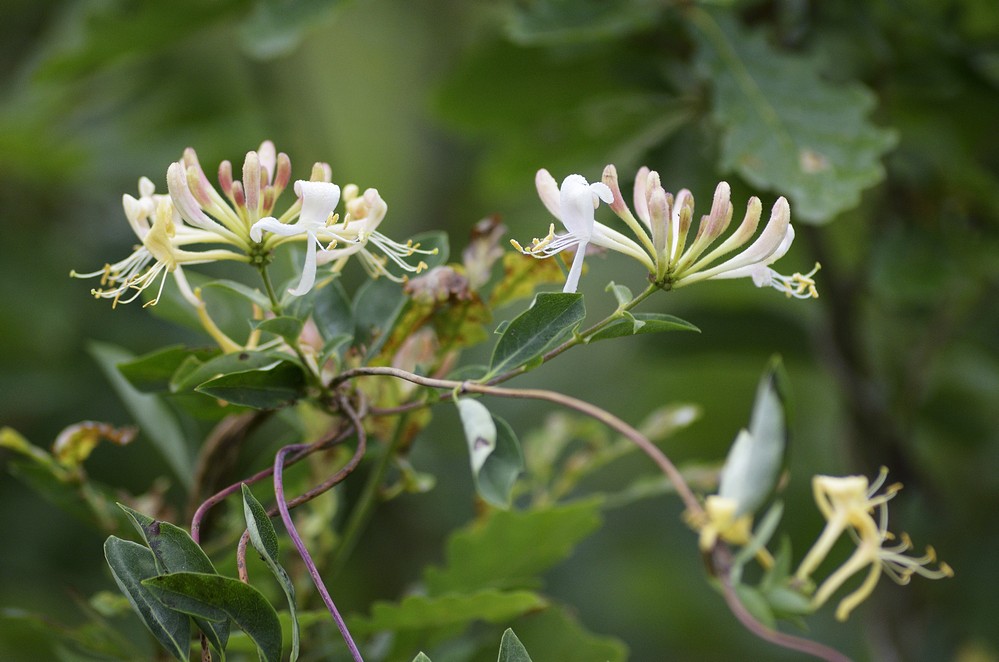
218	497
293	532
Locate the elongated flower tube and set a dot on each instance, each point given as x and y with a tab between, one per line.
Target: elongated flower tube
662	224
165	239
574	203
849	504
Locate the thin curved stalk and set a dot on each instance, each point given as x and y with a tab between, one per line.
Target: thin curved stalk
283	509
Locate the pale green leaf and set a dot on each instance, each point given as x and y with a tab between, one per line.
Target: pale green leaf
511	649
756	458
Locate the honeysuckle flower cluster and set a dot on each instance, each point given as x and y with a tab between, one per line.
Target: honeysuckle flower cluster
661	224
849	503
196	224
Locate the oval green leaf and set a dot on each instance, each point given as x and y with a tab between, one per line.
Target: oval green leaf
537	330
131	564
215	598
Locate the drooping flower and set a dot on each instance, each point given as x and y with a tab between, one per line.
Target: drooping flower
165	239
574	204
661	224
849	504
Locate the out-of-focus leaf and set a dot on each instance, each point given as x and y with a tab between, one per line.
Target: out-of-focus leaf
511	650
537	330
76	442
239	642
783	127
494	451
756	458
105	32
421	657
267	388
276	27
522	275
175	551
583	114
554	634
495	480
508	549
418	612
251	294
155	420
638	323
264	539
377	305
757	605
131	564
330	308
214	597
573	21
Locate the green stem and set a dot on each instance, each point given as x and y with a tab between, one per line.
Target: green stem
271	294
581	338
311	373
361	513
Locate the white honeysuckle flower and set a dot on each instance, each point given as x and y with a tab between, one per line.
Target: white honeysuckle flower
319	200
574	204
849	505
163	236
664	221
329	241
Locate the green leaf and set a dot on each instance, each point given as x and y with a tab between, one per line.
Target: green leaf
579	21
633	325
332	311
215	598
287	328
421	657
495	480
621	293
251	294
508	549
418	612
756	458
783	127
175	551
277	27
554	634
756	604
377	305
264	539
193	374
155	419
494	452
269	388
511	650
537	330
152	372
131	564
433	239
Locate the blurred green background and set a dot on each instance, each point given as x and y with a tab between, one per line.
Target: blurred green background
449	108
